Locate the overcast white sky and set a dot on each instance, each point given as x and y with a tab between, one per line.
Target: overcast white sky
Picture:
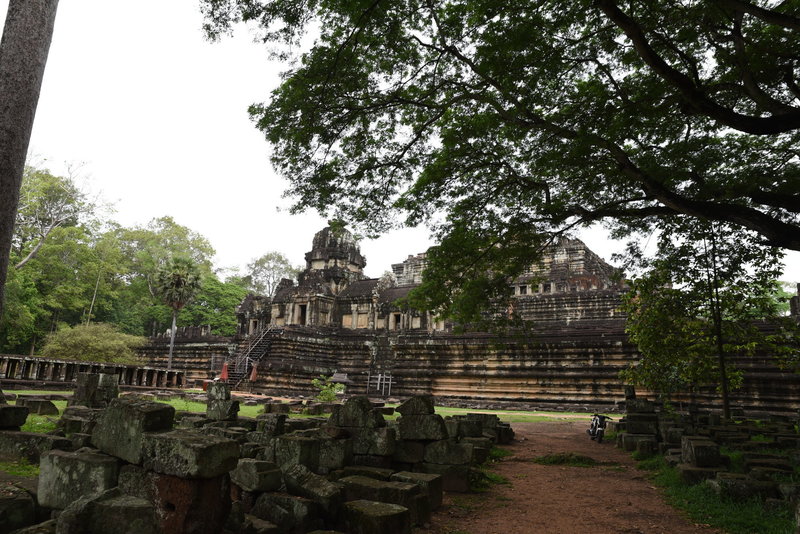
157	116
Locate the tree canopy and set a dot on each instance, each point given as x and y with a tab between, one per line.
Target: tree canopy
473	115
96	342
265	272
700	303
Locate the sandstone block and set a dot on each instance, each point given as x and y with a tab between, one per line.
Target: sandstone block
700	452
394	492
256	475
94	390
374	441
430	484
66	476
449	453
418	405
31	445
429	427
370	517
357	412
289	512
79	419
38	406
121	428
334	454
218	391
409	452
112	512
455	478
271	424
222	410
630	441
254	525
17	508
378	473
691	474
505	434
182	506
292	449
189	454
12	417
301	481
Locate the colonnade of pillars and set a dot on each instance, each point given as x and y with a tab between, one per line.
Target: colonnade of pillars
31	368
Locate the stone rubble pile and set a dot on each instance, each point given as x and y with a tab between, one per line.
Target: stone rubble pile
691	442
136	466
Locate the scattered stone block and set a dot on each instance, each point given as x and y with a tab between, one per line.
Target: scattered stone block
740	487
256	475
301	481
357	412
409	452
418	405
254	525
700	452
395	492
222	410
374	441
505	434
276	407
289	512
378	473
218	391
449	453
66	476
642	423
79	419
430	484
293	449
121	428
38	406
334	454
182	506
189	454
691	474
370	517
271	424
630	441
12	417
17	508
455	478
94	390
429	427
31	445
112	512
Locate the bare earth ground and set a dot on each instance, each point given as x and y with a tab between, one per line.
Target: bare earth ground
615	498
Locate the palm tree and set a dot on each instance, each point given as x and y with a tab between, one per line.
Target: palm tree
176	283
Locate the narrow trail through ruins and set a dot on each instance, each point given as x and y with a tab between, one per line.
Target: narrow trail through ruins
614	497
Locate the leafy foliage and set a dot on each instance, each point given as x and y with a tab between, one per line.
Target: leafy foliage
327	389
536	115
265	273
700	302
96	342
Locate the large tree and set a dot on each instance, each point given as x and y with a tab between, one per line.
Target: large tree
23	55
538	115
700	303
265	272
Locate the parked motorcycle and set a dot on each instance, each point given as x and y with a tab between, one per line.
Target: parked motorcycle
597	428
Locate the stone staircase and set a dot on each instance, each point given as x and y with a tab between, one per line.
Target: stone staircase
248	354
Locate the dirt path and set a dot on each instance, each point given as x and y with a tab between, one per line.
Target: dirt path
540	499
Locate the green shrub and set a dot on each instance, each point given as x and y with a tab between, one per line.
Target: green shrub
96	342
327	389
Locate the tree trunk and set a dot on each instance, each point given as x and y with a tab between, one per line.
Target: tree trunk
23	55
172	339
